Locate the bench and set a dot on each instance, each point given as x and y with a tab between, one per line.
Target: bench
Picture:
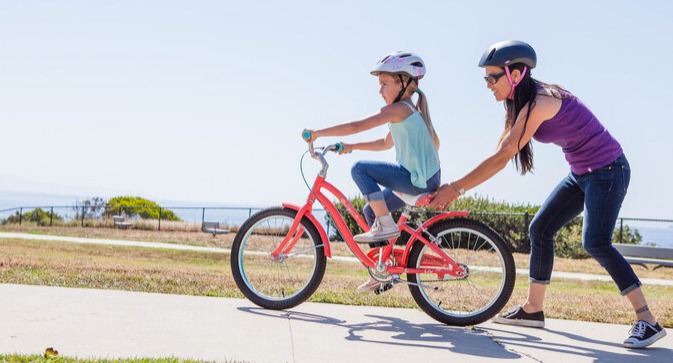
641	255
121	223
213	227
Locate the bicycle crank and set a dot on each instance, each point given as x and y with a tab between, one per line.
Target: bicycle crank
397	279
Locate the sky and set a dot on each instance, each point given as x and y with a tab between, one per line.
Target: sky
204	101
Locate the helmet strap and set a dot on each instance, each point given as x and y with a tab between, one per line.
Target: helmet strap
404	87
514	84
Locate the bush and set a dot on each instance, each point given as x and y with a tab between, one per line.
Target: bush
137	206
37	215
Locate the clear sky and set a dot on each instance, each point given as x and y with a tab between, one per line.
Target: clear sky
205	101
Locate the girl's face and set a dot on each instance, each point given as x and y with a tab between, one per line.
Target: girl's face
390	87
496	81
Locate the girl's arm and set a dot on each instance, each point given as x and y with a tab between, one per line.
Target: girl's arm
508	147
374	145
390	113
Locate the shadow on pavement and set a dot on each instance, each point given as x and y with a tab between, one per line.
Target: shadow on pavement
403	333
583	347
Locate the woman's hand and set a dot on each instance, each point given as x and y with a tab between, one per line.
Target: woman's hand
443	197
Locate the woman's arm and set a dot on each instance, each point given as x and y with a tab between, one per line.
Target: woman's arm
508	147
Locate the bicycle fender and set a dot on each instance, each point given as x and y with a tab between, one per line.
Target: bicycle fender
318	226
445	215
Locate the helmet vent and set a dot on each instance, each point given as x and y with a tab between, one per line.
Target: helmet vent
405	55
490	55
417	64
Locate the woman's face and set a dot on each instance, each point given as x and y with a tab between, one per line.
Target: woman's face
500	87
389	87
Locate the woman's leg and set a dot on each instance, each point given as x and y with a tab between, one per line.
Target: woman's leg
562	205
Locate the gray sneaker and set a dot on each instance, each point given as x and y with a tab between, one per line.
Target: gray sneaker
383	228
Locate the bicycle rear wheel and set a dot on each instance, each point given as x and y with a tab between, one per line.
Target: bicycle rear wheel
277	282
489	280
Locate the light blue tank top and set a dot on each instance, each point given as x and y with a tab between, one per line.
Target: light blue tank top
414	148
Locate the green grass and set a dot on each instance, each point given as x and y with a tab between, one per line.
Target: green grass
13	358
209	274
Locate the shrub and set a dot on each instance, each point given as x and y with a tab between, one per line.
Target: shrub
510	221
37	215
137	206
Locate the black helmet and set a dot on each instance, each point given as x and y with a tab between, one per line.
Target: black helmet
508	52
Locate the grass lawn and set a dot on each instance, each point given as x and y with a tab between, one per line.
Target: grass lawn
202	273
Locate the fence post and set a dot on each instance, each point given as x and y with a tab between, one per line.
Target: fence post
20	215
159	218
82	216
526	220
51	216
621	229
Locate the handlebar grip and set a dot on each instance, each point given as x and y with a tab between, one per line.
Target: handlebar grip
306	135
339	147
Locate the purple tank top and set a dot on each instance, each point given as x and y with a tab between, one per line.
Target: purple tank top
586	143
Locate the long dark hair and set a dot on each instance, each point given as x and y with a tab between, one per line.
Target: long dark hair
525	94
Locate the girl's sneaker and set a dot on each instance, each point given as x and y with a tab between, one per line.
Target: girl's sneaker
517	316
383	228
644	334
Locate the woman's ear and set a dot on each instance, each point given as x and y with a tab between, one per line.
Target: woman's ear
516	75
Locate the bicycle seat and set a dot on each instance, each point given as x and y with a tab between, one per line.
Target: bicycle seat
414	200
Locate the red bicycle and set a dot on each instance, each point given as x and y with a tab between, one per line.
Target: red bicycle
459	271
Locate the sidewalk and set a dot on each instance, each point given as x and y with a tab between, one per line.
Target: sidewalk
110	324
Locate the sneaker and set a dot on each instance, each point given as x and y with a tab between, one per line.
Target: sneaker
517	316
373	285
369	285
383	228
644	334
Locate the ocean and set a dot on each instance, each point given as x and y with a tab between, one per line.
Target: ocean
659	233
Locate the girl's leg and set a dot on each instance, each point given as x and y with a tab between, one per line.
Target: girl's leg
368	175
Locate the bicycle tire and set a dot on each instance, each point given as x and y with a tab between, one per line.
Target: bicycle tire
287	281
489	282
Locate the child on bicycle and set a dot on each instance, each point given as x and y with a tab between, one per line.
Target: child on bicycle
416	143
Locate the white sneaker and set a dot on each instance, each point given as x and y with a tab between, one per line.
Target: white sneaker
369	285
376	286
383	228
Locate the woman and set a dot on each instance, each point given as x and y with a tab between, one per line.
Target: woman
597	182
411	133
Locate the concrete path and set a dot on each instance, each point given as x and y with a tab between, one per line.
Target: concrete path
121	324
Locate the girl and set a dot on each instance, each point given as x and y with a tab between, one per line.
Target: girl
410	131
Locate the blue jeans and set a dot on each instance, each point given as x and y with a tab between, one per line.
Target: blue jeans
600	194
368	175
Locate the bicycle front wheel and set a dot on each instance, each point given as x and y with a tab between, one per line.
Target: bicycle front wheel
487	285
277	282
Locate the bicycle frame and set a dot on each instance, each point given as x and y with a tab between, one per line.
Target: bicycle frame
441	265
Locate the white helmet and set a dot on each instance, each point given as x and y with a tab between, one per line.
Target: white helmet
401	63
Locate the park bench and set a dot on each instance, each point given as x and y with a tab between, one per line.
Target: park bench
213	228
642	255
121	223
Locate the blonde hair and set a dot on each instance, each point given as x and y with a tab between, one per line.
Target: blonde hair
422	107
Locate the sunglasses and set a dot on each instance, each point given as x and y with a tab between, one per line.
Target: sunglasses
493	78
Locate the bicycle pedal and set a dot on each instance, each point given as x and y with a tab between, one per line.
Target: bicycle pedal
384	287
